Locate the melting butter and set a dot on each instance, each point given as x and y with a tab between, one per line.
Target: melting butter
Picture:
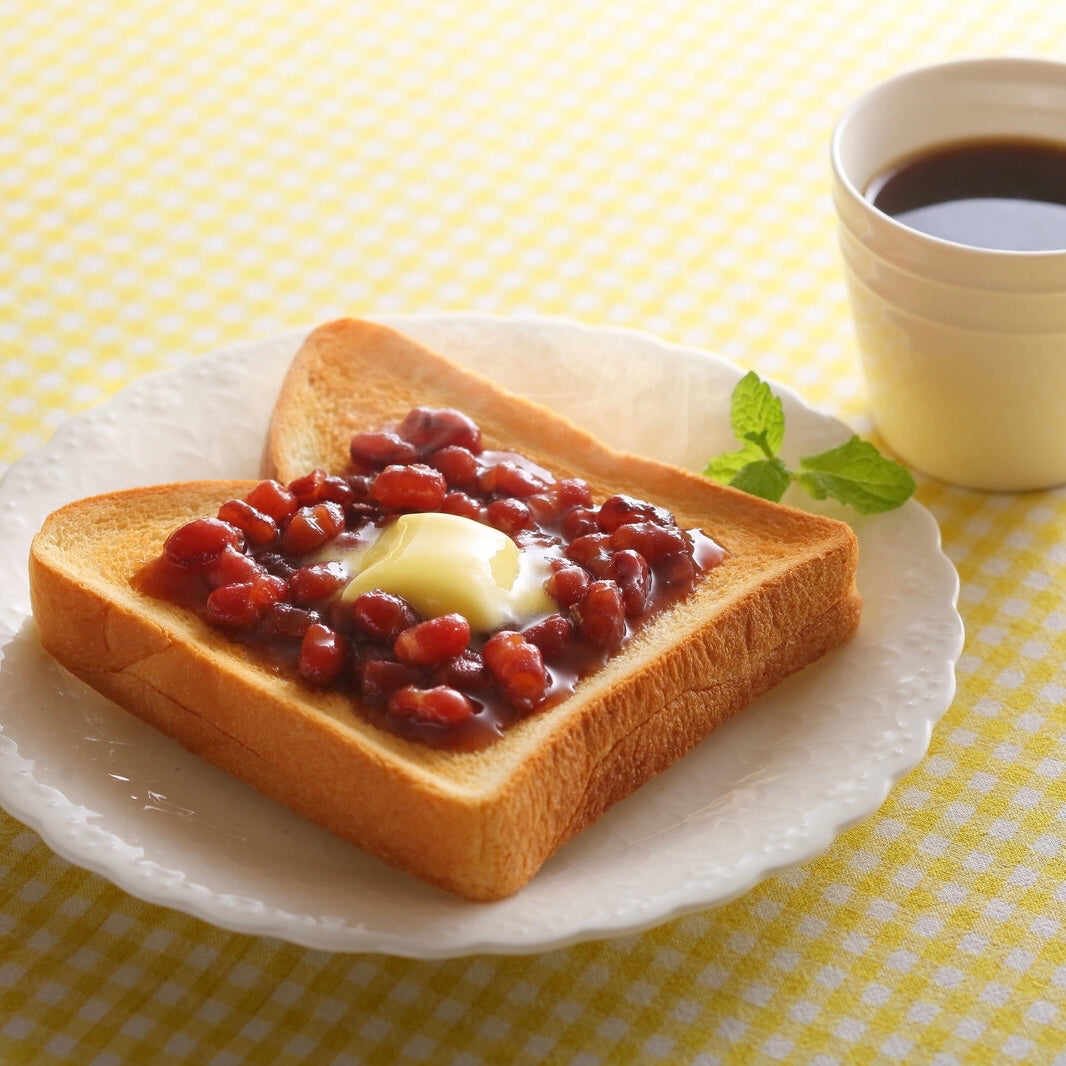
443	563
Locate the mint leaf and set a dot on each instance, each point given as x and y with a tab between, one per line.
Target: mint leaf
756	414
767	478
854	473
723	468
857	474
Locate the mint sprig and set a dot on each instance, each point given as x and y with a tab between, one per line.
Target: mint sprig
854	473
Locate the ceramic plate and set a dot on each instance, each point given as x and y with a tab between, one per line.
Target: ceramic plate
770	789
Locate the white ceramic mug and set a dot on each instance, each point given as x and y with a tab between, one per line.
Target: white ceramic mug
963	348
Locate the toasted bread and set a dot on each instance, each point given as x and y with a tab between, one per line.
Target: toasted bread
478	823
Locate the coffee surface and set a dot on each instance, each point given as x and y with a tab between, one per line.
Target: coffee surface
1005	194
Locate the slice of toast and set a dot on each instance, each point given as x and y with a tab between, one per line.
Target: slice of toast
479	823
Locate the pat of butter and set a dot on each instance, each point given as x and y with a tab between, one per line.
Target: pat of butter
443	563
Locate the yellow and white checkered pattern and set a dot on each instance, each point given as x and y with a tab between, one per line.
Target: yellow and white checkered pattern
180	175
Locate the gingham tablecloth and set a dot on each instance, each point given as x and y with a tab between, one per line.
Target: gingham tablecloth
177	176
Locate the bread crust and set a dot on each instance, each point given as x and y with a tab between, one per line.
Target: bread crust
481	823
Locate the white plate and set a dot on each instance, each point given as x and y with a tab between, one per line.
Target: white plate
770	789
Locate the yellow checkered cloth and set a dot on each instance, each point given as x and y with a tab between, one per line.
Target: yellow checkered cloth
180	175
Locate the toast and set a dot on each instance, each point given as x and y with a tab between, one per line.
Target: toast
479	823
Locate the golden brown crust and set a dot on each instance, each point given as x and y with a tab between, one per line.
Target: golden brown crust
477	823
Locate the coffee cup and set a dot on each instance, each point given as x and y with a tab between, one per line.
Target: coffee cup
962	345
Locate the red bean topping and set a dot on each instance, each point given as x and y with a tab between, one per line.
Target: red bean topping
430	428
287	621
318	486
592	551
650	539
338	490
322	654
543	507
232	567
579	521
338	614
379	678
201	541
240	606
359	487
312	527
439	706
551	634
459	503
567	585
409	488
601	616
508	478
458	465
465	672
517	666
622	510
571	492
232	607
269	589
432	641
255	572
369	450
316	582
273	499
276	562
382	616
258	528
630	570
509	515
330	515
676	568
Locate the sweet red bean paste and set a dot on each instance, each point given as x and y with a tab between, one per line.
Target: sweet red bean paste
268	570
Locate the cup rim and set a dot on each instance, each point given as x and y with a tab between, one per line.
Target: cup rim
930	72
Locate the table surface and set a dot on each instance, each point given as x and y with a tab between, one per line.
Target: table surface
177	177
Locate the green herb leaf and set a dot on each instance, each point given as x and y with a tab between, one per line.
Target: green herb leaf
857	474
723	468
767	478
756	414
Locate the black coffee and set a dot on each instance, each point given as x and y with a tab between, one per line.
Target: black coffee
1002	193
